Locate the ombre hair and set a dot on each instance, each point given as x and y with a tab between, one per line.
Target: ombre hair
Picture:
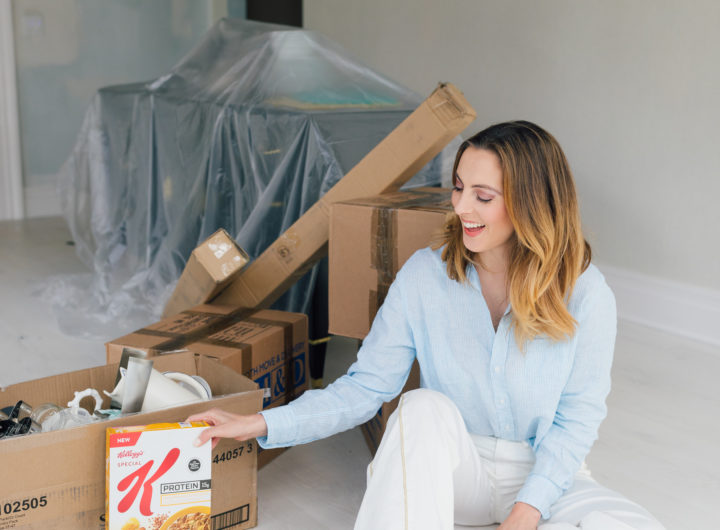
548	251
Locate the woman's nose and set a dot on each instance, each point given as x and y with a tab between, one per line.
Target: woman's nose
462	204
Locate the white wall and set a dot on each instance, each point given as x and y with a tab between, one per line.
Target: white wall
631	89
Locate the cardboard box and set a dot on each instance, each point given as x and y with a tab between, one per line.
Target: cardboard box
210	268
270	347
370	239
57	479
412	144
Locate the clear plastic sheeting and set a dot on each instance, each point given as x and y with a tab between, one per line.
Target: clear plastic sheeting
245	133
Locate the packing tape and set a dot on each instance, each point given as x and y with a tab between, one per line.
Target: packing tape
417	199
204	335
177	340
383	255
384	232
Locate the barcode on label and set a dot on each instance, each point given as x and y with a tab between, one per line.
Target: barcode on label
231	518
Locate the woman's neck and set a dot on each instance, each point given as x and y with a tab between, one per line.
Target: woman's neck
492	272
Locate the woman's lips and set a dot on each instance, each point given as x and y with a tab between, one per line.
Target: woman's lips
473	231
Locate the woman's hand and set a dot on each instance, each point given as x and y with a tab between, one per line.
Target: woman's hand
229	425
522	517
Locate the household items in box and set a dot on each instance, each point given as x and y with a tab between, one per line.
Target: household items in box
157	479
141	388
61	474
145	392
24	419
17	420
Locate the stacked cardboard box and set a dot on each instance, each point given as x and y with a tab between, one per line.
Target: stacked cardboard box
57	479
210	268
370	239
269	347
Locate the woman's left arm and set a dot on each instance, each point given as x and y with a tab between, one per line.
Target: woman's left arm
581	409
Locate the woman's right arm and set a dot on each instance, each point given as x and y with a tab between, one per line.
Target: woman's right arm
377	376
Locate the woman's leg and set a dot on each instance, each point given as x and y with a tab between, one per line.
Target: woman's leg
426	473
589	506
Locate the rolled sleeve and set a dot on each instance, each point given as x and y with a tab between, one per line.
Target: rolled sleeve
281	426
539	492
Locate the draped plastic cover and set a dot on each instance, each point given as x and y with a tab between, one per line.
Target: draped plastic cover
245	133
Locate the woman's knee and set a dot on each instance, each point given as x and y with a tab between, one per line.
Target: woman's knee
425	404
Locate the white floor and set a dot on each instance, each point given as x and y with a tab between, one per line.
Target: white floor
659	444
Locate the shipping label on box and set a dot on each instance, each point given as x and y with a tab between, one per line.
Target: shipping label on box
370	239
157	479
211	266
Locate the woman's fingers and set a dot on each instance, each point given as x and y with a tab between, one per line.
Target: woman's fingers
223	425
213	416
227	425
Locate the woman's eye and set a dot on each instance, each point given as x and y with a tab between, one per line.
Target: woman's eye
483	199
457	188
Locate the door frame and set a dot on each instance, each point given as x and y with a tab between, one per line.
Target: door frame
12	205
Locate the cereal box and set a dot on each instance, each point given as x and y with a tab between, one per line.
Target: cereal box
156	479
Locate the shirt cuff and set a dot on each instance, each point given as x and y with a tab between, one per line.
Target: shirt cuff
281	427
539	492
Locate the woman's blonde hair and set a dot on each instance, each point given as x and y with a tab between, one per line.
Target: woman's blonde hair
548	250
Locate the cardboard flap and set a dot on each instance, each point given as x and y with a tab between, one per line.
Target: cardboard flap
61	388
176	362
224	380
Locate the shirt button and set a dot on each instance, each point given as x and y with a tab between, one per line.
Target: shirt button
497	369
502	401
507	427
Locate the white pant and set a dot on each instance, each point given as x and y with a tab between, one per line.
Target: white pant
430	473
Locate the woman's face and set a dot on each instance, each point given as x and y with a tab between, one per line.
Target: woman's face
478	200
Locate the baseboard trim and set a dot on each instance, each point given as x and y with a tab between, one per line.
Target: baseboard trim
681	309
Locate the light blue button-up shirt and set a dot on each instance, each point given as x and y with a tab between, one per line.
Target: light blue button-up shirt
552	395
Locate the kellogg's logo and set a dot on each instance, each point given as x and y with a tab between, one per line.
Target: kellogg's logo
139	476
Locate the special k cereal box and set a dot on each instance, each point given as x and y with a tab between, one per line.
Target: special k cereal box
156	479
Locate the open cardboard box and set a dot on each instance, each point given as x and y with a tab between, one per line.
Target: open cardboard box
57	479
270	347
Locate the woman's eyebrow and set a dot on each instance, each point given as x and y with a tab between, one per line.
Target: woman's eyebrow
481	186
486	187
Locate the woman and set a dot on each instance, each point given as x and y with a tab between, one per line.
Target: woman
514	332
